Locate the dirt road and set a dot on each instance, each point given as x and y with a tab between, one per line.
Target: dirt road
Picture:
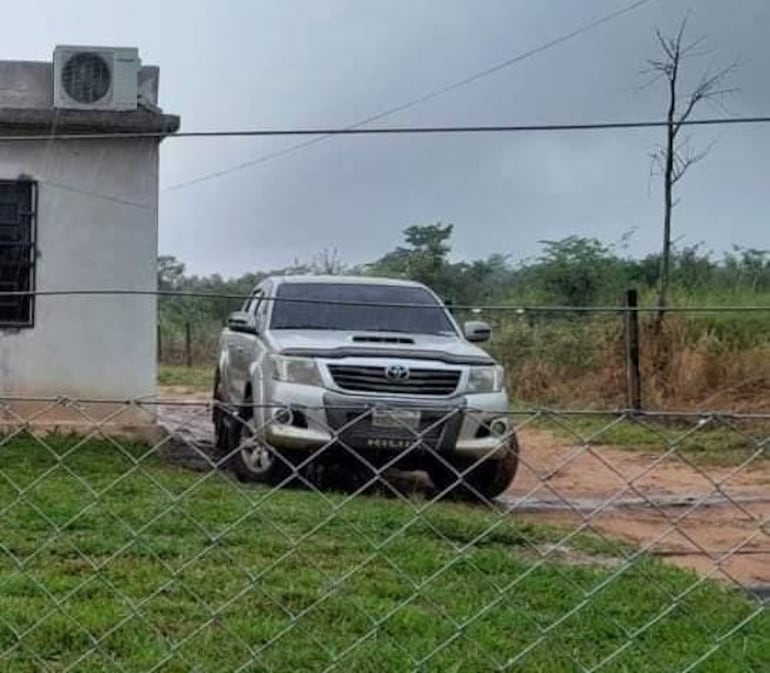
704	517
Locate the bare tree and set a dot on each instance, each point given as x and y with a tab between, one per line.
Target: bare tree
673	159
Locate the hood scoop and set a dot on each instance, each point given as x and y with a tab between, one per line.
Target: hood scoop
379	339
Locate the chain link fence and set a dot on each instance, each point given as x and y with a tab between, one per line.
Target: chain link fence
136	538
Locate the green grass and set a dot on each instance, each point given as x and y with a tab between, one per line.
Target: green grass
711	443
193	572
194	377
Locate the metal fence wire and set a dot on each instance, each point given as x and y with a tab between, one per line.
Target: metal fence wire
602	357
625	542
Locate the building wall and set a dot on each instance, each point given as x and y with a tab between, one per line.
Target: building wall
96	229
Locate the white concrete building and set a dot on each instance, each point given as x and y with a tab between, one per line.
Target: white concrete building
78	215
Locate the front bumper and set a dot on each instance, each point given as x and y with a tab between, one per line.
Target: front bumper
461	425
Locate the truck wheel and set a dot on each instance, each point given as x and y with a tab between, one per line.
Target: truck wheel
251	458
470	479
219	419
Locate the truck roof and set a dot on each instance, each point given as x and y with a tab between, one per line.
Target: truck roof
351	280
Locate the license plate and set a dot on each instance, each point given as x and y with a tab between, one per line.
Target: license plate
395	418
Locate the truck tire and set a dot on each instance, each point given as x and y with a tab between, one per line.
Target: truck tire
219	418
252	459
469	479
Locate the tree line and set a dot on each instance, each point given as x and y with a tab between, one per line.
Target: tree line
573	271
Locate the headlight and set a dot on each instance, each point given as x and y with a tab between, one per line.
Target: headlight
296	370
485	379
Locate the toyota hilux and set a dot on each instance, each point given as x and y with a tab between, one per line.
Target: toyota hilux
371	370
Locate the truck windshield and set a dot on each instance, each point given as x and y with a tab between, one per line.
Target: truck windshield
350	307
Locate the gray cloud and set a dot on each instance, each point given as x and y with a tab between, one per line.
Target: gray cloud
289	63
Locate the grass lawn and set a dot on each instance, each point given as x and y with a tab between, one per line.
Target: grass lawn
194	377
119	561
728	442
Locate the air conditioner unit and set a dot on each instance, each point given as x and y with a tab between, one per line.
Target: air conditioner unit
95	78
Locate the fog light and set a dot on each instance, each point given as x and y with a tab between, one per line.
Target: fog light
283	416
499	427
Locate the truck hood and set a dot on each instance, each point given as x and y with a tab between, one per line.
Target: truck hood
334	344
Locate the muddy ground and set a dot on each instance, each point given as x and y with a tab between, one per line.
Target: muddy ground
711	519
704	517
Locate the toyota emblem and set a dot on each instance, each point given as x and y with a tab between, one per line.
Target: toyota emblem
396	373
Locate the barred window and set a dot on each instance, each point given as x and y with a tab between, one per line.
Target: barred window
18	199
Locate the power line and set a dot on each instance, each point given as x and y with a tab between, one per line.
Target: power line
452	86
396	130
406	130
517	308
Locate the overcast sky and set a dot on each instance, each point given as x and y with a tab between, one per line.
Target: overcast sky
235	64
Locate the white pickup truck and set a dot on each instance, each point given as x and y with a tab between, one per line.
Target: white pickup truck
359	369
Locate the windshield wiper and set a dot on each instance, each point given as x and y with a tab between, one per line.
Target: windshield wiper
412	332
313	327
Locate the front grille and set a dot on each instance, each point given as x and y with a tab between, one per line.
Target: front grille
437	430
374	380
358	428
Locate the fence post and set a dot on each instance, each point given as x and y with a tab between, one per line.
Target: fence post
631	332
160	342
188	344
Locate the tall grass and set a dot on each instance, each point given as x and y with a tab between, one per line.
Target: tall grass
173	347
699	360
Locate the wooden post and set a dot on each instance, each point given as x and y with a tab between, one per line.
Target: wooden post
188	344
631	331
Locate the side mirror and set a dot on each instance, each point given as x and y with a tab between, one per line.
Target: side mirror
242	321
477	331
